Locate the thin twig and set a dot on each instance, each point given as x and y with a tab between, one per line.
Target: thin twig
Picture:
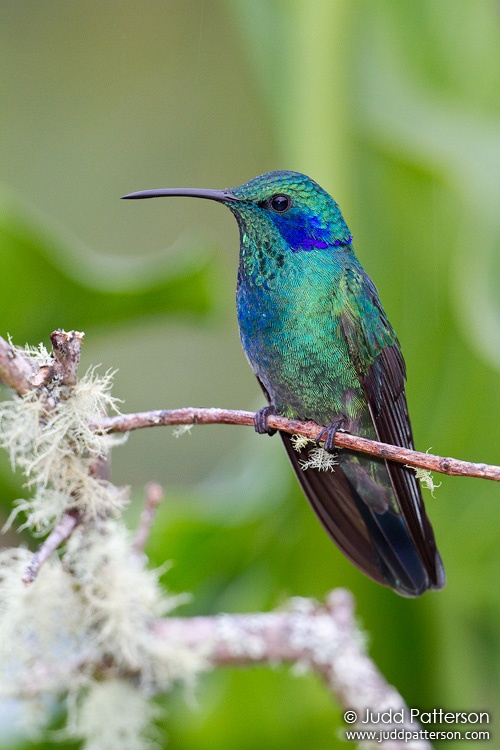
154	496
16	372
59	534
452	466
324	638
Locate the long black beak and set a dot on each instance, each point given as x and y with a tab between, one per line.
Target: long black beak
222	196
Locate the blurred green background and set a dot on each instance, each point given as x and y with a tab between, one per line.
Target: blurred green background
392	106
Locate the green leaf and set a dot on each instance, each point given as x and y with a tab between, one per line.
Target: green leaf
48	282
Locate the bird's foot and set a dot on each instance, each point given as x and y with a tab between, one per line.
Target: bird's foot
330	432
260	420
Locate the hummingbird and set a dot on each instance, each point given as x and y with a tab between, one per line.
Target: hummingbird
321	346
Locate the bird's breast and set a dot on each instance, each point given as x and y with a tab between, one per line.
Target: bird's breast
291	334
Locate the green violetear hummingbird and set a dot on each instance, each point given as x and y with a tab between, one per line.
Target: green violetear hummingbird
318	340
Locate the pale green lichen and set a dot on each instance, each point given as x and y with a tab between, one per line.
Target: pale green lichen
318	458
120	601
426	479
113	715
91	612
40	633
299	442
181	430
39	356
55	448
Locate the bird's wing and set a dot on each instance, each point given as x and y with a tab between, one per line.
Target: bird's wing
331	496
346	509
379	364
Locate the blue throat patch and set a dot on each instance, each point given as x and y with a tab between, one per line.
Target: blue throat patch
302	232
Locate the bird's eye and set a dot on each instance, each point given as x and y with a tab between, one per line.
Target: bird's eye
280	203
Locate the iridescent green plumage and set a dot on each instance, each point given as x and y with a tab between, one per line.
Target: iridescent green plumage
320	344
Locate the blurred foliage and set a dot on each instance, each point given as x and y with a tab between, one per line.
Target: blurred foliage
394	108
59	292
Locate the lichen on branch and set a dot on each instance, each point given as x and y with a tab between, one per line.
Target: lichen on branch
84	629
47	435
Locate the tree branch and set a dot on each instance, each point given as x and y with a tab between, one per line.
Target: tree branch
162	417
154	496
15	369
57	536
16	372
324	638
66	349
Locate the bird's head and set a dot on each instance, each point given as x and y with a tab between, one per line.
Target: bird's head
295	206
288	205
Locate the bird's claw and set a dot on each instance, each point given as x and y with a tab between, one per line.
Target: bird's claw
330	432
260	420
